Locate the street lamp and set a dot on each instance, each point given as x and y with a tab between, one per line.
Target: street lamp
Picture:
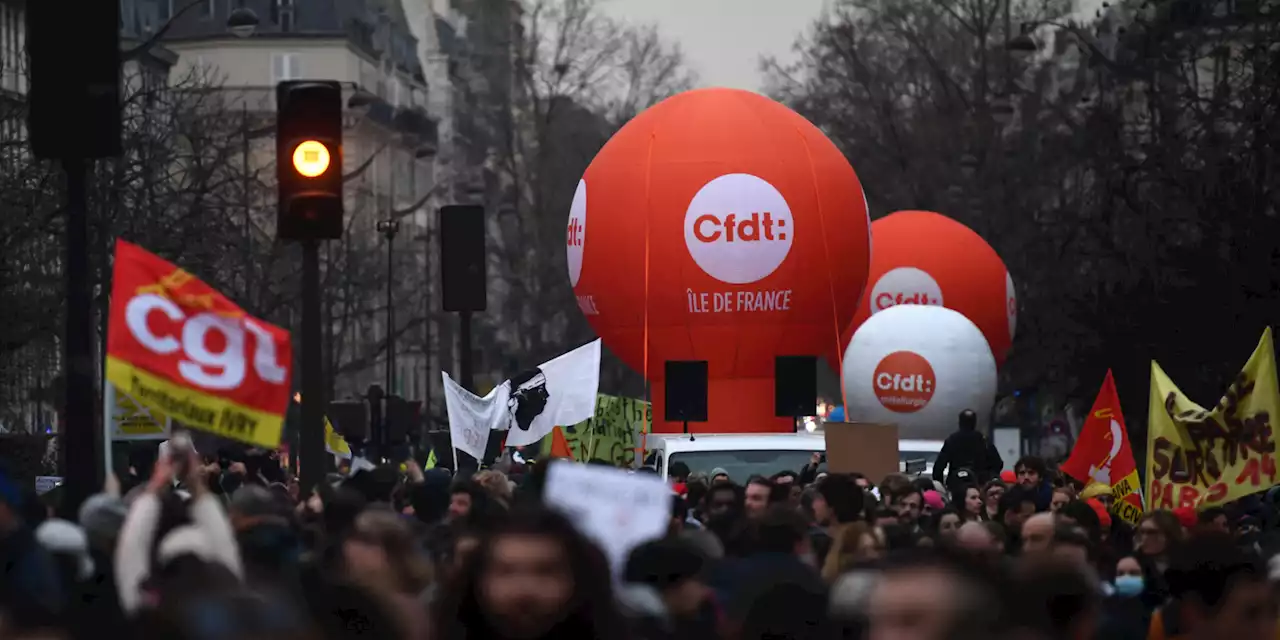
389	228
361	100
242	22
1023	46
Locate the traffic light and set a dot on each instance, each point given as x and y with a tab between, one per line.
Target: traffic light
309	160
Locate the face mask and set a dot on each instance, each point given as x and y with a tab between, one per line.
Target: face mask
1128	586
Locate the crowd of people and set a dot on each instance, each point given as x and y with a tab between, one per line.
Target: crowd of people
228	546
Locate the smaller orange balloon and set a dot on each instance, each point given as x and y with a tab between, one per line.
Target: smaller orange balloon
921	257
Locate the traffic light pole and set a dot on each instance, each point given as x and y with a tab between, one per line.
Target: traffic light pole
78	437
312	434
466	373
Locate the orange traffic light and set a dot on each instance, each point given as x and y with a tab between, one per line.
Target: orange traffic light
311	158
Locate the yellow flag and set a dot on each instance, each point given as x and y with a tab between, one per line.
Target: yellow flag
431	460
334	443
1198	457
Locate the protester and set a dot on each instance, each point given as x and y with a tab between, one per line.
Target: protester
408	554
966	450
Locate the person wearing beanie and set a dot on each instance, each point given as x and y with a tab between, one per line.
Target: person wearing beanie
1186	517
933	502
69	546
719	475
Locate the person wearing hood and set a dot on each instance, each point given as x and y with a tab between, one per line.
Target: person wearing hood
197	555
966	448
718	475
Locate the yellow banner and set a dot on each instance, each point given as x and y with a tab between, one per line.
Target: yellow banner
1201	458
196	410
611	435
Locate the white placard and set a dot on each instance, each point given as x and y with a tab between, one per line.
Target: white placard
616	509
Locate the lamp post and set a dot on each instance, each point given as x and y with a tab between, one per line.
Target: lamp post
389	228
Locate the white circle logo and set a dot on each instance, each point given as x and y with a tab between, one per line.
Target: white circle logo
1010	304
576	232
738	228
905	285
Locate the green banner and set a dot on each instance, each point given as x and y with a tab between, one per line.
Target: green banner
611	435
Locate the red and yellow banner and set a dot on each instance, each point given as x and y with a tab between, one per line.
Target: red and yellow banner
1103	455
181	348
1201	457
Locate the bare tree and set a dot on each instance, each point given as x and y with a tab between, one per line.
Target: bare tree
577	76
1130	195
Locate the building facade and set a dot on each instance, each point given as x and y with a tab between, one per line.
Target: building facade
389	146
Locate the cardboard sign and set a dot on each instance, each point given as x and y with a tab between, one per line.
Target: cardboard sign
869	449
130	420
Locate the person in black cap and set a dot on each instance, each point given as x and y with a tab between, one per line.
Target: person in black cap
968	449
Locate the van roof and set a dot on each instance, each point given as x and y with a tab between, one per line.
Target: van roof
919	445
739	442
763	442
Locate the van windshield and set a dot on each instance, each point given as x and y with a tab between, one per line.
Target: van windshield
743	464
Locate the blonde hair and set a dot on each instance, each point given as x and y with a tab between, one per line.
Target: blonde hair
495	483
410	567
846	549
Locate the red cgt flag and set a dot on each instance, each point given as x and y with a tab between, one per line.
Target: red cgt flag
177	345
1103	456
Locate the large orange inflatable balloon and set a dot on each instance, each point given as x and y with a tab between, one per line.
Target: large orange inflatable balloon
921	257
719	225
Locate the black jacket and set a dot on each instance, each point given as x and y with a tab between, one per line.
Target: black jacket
967	449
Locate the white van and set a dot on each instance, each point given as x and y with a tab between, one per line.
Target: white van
743	455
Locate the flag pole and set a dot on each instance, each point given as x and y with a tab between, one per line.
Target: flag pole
108	402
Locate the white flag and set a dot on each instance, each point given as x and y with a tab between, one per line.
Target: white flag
471	417
561	391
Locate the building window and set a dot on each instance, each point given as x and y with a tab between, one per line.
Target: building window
164	10
285	66
282	14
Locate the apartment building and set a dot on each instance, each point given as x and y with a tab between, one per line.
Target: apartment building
389	147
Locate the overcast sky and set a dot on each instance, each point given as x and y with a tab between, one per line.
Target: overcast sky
723	40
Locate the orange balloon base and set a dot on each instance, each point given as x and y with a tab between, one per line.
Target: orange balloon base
743	405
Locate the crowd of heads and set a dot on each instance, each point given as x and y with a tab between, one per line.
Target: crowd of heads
231	546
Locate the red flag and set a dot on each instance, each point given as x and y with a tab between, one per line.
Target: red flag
560	446
179	346
1103	455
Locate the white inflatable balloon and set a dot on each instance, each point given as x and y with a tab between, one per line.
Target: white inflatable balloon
918	367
